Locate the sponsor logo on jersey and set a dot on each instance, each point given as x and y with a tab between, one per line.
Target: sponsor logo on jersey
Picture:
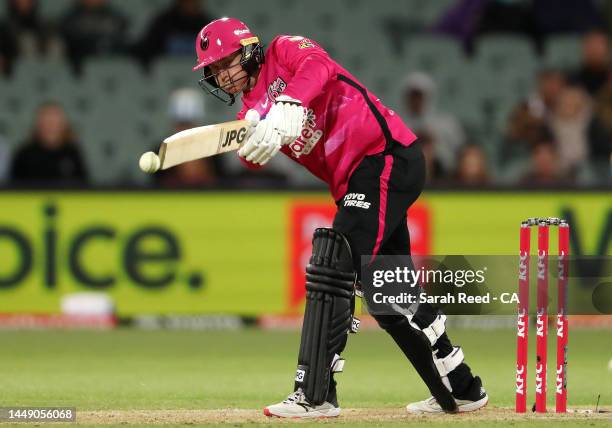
276	88
356	200
306	44
309	138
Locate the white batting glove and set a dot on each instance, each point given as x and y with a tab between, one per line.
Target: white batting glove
263	143
288	117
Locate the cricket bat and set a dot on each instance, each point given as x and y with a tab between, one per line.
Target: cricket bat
202	142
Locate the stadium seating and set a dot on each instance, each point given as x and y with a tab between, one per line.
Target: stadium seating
562	52
119	110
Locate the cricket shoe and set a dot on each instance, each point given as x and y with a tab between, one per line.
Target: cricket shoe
296	406
473	399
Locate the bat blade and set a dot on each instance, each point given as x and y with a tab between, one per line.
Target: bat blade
202	142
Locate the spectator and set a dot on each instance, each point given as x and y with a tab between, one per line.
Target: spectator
51	156
600	150
544	167
550	85
472	169
575	129
419	92
433	167
93	27
25	34
527	123
172	32
603	103
523	130
594	69
186	108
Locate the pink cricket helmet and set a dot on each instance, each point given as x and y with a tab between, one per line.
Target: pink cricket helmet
221	38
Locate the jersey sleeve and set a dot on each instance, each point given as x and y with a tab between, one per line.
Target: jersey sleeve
309	63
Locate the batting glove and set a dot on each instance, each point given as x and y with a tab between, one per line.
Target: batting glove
288	116
263	143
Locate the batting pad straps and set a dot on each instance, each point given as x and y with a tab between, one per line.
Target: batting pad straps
434	330
448	364
338	364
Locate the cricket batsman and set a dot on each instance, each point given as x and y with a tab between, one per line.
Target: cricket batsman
305	105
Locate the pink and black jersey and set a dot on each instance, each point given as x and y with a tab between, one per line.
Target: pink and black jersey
345	123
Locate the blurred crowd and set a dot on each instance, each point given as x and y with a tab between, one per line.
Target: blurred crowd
95	27
560	134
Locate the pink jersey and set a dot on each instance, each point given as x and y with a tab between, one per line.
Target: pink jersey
345	121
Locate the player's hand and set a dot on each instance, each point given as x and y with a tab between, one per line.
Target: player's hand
263	143
288	117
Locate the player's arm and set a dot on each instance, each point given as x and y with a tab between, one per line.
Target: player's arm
310	64
312	69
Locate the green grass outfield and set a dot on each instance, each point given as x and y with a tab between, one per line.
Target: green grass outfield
187	377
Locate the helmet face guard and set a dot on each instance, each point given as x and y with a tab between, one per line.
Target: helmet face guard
221	39
252	57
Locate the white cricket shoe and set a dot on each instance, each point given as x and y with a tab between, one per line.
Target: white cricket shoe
475	398
296	406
